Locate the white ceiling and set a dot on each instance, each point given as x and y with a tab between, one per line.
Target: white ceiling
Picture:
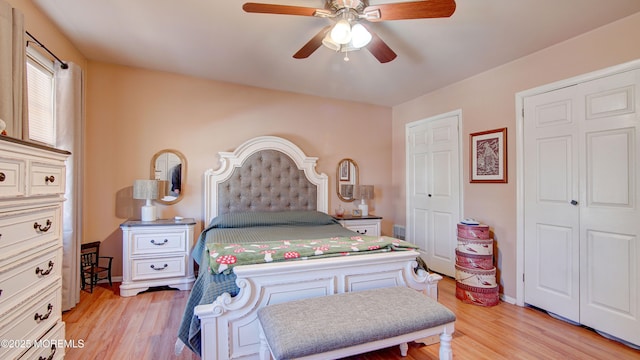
216	39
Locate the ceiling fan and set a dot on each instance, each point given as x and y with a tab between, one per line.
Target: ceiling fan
349	33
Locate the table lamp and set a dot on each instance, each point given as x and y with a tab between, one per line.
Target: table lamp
146	190
363	193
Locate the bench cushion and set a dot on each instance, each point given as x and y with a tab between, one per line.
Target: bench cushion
316	325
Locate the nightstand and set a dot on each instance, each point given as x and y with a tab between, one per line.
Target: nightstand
365	225
156	253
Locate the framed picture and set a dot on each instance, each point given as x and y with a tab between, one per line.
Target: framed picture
356	212
488	156
345	171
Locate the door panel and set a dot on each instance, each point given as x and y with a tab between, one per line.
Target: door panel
552	222
433	190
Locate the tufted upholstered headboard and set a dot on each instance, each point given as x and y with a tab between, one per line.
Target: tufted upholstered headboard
266	173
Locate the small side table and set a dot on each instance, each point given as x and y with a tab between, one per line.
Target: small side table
156	253
364	225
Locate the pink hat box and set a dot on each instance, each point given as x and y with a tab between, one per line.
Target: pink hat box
475	246
474	261
476	277
477	295
473	231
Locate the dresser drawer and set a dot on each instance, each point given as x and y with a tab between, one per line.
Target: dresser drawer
51	346
158	268
31	321
12	172
23	231
159	241
30	274
46	179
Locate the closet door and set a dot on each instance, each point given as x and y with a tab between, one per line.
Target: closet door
610	218
552	279
433	190
582	221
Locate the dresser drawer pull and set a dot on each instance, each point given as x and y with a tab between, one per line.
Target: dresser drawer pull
45	272
159	269
362	232
2	176
159	243
40	228
39	317
49	178
53	352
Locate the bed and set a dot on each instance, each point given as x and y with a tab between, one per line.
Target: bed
267	197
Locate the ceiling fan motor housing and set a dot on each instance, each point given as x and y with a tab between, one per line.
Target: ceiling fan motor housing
337	5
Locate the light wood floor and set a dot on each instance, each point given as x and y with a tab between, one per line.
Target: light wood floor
145	327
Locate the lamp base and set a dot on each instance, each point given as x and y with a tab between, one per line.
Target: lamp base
148	213
364	208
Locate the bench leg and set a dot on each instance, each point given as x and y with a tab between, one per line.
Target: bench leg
446	353
404	347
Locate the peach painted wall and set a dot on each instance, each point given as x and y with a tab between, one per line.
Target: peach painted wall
487	101
133	113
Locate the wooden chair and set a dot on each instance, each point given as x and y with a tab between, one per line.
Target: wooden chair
93	266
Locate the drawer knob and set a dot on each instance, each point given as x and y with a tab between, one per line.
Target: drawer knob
53	352
45	272
362	232
159	269
2	176
49	178
39	317
159	243
40	228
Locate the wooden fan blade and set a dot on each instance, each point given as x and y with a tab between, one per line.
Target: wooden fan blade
312	45
278	9
378	48
413	10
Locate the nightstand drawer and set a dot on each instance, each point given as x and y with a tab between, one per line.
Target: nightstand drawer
158	268
157	242
370	230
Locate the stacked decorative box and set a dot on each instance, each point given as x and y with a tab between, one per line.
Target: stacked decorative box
475	273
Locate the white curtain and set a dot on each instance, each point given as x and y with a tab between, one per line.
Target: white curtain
12	69
69	136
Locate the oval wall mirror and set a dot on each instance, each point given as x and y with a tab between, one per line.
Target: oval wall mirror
346	178
169	167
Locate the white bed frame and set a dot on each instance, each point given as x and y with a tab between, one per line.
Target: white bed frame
229	326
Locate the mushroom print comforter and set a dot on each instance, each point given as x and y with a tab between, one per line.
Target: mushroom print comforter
261	237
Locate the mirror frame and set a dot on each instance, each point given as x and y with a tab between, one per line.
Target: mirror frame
357	175
183	174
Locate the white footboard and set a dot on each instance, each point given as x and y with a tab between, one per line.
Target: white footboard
230	326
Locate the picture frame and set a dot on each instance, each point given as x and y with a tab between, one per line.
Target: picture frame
488	156
345	171
356	212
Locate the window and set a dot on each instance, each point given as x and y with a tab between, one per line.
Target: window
41	98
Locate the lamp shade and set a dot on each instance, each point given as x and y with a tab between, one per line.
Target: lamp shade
363	192
346	191
145	189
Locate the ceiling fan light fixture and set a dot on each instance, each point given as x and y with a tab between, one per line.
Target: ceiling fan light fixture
341	32
360	37
328	42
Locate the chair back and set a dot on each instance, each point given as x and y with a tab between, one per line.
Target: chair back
89	254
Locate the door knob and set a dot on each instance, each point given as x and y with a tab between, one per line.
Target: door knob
574	203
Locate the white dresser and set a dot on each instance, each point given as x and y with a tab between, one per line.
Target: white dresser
32	184
364	225
156	253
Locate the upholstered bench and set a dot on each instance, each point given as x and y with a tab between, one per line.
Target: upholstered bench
335	326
